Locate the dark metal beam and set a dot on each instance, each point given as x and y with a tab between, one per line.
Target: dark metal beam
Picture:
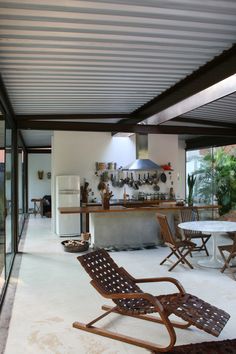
217	70
130	128
79	126
183	119
5	101
44	117
209	141
34	150
166	129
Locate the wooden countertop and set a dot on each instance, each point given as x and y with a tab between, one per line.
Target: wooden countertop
121	208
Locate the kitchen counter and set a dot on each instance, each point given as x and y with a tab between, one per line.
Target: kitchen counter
128	226
135	202
128	208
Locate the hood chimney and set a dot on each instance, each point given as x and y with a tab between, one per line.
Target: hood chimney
142	162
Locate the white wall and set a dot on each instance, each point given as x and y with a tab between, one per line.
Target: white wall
37	188
163	149
77	153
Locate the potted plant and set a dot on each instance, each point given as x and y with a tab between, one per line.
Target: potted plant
191	182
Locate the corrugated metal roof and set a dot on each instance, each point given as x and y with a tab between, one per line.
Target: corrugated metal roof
105	56
224	108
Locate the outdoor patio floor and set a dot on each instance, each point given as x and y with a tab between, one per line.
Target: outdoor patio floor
53	291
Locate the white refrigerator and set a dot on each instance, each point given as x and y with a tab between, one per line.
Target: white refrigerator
67	195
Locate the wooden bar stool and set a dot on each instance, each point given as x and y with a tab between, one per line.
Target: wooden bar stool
37	206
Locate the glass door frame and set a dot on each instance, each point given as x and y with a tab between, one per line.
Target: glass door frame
11	125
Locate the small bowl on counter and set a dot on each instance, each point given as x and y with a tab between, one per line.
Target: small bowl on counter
180	203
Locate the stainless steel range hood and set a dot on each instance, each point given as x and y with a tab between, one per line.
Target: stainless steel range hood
142	163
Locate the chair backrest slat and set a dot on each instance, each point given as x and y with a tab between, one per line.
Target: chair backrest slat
189	214
165	229
233	251
106	273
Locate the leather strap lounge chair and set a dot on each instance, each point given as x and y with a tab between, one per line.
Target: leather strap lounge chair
117	284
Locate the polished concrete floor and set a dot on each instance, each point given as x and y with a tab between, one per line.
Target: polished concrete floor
53	291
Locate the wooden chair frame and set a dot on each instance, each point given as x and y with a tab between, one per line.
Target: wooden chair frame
179	248
231	249
115	283
191	214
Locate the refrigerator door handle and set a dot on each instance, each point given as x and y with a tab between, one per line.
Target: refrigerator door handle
69	191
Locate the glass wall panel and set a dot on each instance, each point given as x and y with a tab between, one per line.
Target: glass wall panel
199	163
21	186
8	199
215	172
2	204
20	189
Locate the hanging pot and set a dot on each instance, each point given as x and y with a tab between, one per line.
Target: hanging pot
156	187
139	180
163	177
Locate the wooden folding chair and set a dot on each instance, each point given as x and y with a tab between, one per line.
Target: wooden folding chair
179	248
117	284
231	251
191	214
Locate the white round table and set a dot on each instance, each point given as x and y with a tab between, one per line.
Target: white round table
212	227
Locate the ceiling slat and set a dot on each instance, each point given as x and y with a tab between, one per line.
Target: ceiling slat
106	56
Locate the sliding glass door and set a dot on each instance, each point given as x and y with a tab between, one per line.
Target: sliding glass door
215	172
6	219
2	204
8	199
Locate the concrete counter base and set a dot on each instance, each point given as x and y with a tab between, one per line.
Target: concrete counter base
126	230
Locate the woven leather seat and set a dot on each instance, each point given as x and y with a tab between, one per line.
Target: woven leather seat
117	284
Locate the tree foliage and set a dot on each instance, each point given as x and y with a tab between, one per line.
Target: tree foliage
217	177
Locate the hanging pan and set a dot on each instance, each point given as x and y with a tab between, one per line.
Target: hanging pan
163	177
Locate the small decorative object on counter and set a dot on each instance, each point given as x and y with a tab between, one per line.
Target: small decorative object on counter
172	194
125	195
85	236
180	202
106	195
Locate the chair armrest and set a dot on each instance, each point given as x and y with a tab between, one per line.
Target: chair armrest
157	279
116	296
152	299
163	279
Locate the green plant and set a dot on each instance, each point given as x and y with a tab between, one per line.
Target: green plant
217	178
191	180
